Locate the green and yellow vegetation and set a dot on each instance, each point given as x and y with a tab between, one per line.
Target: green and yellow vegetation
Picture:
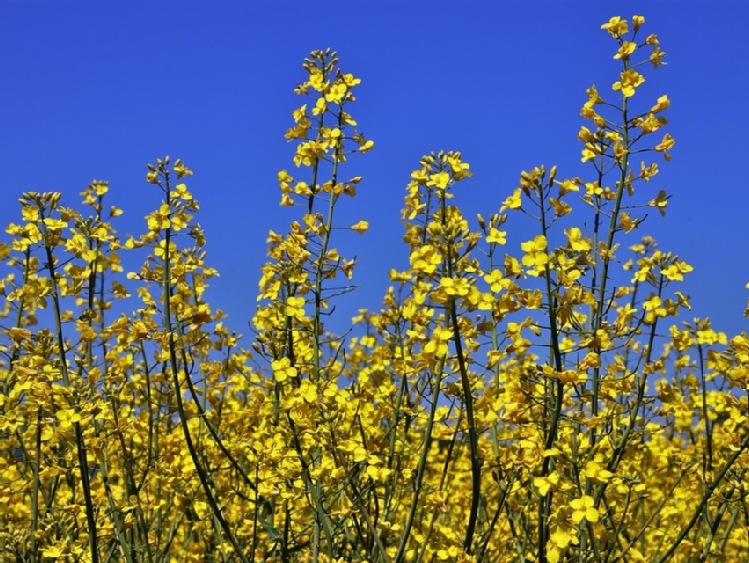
548	405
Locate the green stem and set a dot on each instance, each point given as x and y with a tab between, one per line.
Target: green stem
436	384
174	365
35	491
79	441
473	439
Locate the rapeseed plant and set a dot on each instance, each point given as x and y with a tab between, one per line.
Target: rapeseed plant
496	407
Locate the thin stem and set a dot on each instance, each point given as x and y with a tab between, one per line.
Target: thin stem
79	441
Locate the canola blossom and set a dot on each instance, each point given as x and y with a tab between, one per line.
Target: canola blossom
546	402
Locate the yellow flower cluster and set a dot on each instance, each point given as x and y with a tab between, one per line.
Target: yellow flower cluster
507	401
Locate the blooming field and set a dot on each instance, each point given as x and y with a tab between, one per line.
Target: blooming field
540	406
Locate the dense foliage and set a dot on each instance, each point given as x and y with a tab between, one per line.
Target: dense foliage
496	407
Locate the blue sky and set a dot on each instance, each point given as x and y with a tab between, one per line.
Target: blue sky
97	90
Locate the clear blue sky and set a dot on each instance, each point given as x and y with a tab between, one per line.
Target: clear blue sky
97	90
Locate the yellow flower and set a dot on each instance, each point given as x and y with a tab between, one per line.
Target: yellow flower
589	152
53	552
496	236
576	240
295	307
54	224
535	252
666	145
595	470
439	180
584	509
67	417
594	97
561	537
181	169
586	135
161	249
543	484
350	80
308	391
616	26
359	454
181	192
512	202
660	202
100	187
663	103
336	93
282	370
630	81
454	286
625	50
360	227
